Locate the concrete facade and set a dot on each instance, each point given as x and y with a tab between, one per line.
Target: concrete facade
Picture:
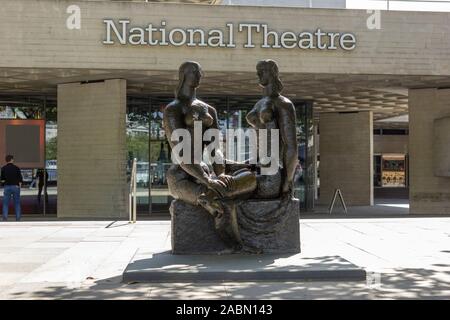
92	150
441	144
381	144
346	157
408	42
429	194
390	144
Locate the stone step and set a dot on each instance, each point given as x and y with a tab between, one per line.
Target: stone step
166	267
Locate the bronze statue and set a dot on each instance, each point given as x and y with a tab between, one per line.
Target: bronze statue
200	184
227	190
275	111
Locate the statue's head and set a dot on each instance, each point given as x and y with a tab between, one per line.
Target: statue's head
190	73
267	71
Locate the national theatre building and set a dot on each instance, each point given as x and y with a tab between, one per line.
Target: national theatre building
83	87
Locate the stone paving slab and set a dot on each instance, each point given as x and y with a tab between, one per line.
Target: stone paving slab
166	267
41	260
297	290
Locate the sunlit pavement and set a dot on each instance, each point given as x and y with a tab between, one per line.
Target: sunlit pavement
406	258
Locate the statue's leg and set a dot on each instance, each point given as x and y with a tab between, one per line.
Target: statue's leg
232	167
227	227
268	186
182	187
244	183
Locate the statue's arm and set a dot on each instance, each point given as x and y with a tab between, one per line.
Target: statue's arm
287	122
172	120
219	168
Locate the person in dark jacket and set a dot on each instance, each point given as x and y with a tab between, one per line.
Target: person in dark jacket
12	179
42	184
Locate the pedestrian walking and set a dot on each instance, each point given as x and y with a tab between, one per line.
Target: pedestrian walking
12	179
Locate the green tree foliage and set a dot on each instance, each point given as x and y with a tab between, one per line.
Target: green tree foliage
51	149
138	146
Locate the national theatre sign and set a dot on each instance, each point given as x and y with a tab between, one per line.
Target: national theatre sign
122	32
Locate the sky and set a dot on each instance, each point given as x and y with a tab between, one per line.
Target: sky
408	5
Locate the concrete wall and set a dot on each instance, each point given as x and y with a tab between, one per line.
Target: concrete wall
429	194
441	147
92	150
33	34
390	144
382	144
346	157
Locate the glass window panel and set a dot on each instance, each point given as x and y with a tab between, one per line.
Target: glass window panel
137	125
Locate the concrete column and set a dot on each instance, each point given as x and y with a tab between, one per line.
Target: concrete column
92	150
429	151
346	157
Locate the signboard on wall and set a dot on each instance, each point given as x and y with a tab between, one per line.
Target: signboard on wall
124	32
24	139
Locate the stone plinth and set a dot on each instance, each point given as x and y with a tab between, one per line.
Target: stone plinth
163	267
269	225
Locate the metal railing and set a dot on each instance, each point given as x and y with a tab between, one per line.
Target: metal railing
132	195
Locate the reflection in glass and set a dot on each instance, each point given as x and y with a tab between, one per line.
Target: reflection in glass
21	112
304	176
137	124
159	159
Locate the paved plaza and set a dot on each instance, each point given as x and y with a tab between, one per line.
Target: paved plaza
407	258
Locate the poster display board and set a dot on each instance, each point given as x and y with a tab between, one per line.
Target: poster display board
25	140
393	171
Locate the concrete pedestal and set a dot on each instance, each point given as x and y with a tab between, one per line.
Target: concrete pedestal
260	226
165	267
